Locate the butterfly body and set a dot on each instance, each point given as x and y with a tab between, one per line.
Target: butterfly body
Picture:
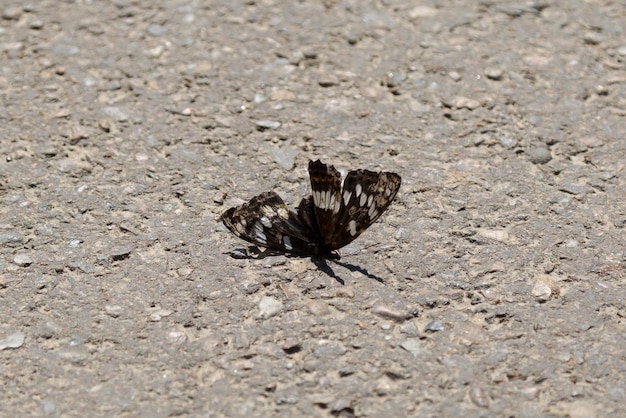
333	216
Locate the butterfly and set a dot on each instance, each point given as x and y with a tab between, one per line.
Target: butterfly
334	215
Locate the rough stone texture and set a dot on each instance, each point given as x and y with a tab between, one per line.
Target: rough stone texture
495	283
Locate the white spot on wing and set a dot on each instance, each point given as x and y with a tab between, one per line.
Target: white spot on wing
346	197
372	211
266	222
352	227
261	237
283	213
325	199
358	190
337	206
258	232
363	199
369	200
268	211
287	243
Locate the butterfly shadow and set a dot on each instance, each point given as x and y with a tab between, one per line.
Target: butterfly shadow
254	253
322	264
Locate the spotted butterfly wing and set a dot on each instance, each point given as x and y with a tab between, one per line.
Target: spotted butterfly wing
326	194
333	216
266	221
345	212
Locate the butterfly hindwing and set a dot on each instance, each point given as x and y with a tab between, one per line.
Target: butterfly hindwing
266	221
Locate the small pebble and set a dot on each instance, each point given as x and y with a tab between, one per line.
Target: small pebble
268	307
22	260
113	311
328	81
386	325
73	356
12	13
121	253
177	337
410	329
423	12
159	314
345	292
310	53
539	155
10	238
490	295
155	52
507	141
326	348
12	46
494	73
36	24
282	95
459	102
292	345
394	79
389	313
265	124
454	75
75	132
591	141
592	38
318	308
412	346
544	289
341	404
434	326
238	253
116	113
494	234
479	396
470	334
383	387
14	340
511	10
601	90
46	150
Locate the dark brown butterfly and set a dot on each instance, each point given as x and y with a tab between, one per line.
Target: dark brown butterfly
332	217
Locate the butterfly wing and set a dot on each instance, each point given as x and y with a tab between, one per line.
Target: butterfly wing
266	221
343	212
326	188
365	196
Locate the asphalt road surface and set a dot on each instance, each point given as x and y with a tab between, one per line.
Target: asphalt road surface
494	285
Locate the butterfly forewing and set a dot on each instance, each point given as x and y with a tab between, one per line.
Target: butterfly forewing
266	221
326	190
365	196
